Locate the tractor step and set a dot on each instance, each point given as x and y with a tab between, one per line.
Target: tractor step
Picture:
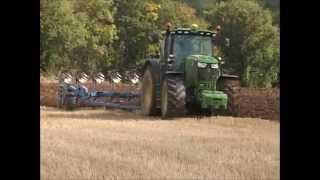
158	96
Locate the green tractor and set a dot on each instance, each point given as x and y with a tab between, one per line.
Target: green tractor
184	77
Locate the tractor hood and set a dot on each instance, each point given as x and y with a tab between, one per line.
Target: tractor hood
204	59
203	73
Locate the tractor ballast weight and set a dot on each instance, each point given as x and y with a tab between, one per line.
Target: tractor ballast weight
184	78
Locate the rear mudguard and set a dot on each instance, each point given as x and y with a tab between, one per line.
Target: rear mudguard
155	66
228	76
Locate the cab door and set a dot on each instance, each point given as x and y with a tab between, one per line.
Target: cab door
166	47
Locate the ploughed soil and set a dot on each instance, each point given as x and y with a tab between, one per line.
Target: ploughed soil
249	102
257	103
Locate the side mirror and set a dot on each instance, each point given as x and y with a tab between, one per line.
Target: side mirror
157	56
154	37
171	58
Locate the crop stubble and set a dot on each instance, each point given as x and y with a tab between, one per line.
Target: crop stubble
102	144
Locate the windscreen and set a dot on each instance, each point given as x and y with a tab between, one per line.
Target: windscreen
186	45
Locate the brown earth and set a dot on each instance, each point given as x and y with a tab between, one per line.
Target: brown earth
260	103
115	144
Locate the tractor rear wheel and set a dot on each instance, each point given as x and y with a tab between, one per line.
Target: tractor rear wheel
173	98
148	98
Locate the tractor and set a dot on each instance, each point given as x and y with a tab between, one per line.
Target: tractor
185	77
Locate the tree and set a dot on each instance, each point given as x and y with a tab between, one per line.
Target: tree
96	35
179	14
60	31
97	17
254	52
274	7
75	34
134	23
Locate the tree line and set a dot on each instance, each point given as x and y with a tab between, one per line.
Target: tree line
99	35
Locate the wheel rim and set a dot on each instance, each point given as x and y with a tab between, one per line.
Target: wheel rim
146	93
164	99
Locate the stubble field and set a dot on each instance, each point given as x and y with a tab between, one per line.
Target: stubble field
114	144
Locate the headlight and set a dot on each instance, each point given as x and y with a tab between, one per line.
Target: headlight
214	66
201	65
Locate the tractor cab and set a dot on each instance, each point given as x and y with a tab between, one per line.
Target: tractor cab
180	43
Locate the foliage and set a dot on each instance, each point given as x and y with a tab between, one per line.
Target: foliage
75	33
179	14
254	53
60	32
135	19
98	35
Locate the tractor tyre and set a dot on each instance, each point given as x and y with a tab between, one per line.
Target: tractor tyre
173	98
148	98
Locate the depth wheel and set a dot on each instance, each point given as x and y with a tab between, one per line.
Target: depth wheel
173	98
59	97
59	101
70	103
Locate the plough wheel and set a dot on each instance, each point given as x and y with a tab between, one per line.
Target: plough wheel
70	102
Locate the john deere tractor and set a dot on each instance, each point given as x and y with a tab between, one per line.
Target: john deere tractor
183	78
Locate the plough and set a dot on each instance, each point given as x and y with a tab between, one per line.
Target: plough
73	93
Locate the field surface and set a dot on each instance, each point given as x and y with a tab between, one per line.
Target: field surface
114	144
